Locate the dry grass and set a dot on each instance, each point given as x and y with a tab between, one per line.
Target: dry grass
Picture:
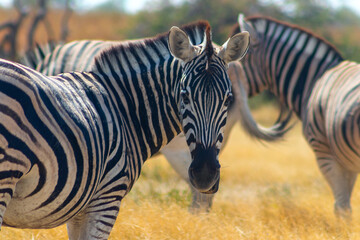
268	191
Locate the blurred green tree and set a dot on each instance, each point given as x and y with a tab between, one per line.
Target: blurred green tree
316	15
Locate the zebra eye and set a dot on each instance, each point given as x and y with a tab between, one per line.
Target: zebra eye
185	96
228	100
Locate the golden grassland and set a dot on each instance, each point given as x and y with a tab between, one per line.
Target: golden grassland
268	191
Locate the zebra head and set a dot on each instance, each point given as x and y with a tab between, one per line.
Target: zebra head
205	93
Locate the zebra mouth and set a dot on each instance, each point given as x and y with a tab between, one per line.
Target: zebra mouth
214	188
208	184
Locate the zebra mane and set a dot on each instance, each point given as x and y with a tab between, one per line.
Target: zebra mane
209	46
196	31
130	53
254	19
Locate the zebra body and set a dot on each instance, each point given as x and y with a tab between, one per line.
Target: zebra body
310	77
73	145
331	127
80	55
53	139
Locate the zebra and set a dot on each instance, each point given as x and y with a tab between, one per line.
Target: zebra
309	76
72	145
52	59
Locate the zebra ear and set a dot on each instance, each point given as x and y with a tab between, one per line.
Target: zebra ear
180	45
246	26
235	48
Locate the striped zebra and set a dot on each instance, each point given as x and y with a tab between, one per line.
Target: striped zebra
309	76
80	55
72	146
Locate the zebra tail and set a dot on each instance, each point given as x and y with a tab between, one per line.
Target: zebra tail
251	127
34	56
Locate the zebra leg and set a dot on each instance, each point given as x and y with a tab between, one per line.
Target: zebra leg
95	224
74	227
341	182
200	202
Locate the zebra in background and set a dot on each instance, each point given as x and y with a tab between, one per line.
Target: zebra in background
53	59
80	55
73	145
309	76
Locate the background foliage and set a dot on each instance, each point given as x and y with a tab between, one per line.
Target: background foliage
340	26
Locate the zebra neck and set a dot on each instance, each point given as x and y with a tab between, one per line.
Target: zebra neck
288	61
147	104
253	79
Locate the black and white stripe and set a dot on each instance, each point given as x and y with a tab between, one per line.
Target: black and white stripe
79	56
72	146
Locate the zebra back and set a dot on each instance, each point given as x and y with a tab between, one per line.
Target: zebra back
290	55
53	59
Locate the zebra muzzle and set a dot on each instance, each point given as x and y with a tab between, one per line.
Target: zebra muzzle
214	189
204	171
208	183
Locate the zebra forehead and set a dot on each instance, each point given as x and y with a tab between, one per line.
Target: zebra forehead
216	81
205	86
208	78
